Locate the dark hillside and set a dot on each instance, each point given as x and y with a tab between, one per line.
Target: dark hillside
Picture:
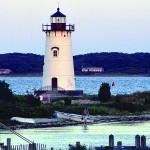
22	63
138	63
114	63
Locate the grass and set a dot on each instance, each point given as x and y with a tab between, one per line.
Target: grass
136	103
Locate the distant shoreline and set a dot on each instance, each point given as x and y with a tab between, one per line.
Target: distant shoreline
91	75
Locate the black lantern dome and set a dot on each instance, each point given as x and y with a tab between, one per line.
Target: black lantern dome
58	17
58	23
58	14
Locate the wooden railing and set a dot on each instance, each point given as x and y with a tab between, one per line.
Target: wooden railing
33	146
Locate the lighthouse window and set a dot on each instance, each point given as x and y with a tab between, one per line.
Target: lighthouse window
55	53
58	20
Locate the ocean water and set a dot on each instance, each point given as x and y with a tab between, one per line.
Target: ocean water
90	85
94	135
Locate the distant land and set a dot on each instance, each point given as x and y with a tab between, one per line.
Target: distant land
114	63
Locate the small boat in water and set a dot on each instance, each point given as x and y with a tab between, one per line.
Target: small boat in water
74	117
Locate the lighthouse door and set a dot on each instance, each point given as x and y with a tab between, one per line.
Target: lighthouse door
54	83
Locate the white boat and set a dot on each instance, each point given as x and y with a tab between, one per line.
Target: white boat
33	120
74	117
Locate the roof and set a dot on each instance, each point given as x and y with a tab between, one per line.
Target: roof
58	14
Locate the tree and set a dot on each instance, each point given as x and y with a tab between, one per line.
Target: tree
104	92
32	101
6	94
67	101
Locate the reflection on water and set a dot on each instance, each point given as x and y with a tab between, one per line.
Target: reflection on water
95	135
85	128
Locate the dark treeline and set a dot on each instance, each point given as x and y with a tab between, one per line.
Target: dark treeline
113	63
22	63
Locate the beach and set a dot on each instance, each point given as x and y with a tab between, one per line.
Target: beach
57	122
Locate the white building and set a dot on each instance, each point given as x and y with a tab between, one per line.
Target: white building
93	69
5	71
58	69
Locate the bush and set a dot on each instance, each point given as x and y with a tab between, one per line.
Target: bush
6	94
117	98
104	92
91	97
67	101
126	106
32	101
147	100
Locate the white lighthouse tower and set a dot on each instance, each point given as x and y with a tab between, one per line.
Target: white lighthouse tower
58	69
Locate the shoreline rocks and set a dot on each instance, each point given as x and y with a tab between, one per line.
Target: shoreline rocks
97	119
131	118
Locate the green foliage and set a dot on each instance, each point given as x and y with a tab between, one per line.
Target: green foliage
29	106
19	98
104	92
103	110
118	99
91	97
32	101
67	101
147	100
126	106
6	94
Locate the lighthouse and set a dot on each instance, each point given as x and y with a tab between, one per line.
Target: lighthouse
58	68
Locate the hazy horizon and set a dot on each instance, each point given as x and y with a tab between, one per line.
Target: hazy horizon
100	26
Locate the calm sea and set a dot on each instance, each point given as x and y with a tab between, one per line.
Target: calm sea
90	85
94	135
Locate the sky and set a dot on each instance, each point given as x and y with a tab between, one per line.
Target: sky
100	25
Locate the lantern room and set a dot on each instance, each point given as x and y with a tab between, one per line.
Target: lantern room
58	21
58	17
